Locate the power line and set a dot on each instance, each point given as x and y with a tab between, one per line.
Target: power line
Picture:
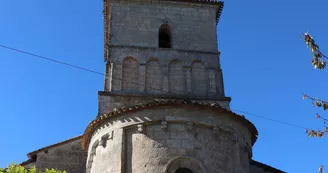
74	66
95	72
70	65
49	59
277	121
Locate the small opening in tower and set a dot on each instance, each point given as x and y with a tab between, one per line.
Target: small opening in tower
164	36
183	170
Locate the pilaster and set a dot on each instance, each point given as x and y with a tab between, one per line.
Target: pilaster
212	90
187	71
142	77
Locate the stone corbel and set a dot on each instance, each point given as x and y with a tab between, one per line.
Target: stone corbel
190	125
141	128
216	130
164	125
234	137
102	142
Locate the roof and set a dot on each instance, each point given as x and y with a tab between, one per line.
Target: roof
106	16
266	167
159	103
32	155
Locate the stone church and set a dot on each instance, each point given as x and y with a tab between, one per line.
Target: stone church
163	107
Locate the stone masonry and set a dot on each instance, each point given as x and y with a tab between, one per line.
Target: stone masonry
163	108
189	68
152	140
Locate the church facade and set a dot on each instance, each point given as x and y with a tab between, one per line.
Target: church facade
163	108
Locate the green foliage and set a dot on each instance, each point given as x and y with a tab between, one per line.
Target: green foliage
13	168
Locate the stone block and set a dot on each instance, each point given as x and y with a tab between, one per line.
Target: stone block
173	143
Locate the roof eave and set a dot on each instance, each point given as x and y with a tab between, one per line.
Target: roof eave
155	103
266	167
33	154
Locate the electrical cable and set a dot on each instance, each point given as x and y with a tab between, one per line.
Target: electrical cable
95	72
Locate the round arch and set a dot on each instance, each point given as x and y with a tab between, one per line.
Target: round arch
185	164
183	170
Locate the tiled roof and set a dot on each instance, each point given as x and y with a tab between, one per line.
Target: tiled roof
158	103
266	167
32	155
28	162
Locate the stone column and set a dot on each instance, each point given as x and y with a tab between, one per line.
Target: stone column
212	83
219	80
142	78
188	80
117	77
108	77
165	83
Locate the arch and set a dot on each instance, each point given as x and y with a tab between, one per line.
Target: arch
164	36
176	77
183	170
153	76
130	76
199	78
185	164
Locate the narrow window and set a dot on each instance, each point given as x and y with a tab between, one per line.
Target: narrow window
164	36
183	170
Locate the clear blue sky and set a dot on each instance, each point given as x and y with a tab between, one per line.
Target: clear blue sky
266	68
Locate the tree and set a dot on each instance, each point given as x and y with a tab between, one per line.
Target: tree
13	168
319	62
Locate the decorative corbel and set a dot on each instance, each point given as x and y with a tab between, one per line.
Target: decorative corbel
190	125
110	135
216	130
234	137
141	128
102	142
164	125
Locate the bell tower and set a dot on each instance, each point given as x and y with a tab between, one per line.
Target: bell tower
163	108
161	49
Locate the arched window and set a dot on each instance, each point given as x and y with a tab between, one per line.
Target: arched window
183	170
164	36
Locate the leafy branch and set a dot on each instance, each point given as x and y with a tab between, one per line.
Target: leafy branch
13	168
318	60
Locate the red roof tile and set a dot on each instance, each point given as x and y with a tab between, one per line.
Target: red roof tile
152	104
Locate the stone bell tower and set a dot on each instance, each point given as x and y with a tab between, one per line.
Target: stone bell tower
161	49
163	108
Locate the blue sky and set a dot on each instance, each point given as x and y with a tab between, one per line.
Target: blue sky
265	64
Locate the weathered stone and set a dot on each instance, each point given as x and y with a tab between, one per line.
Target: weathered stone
184	78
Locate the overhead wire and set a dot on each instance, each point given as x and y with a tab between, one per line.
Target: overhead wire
270	119
106	75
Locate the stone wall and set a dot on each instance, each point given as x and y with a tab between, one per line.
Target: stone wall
154	140
69	157
136	23
108	101
164	72
190	67
153	79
